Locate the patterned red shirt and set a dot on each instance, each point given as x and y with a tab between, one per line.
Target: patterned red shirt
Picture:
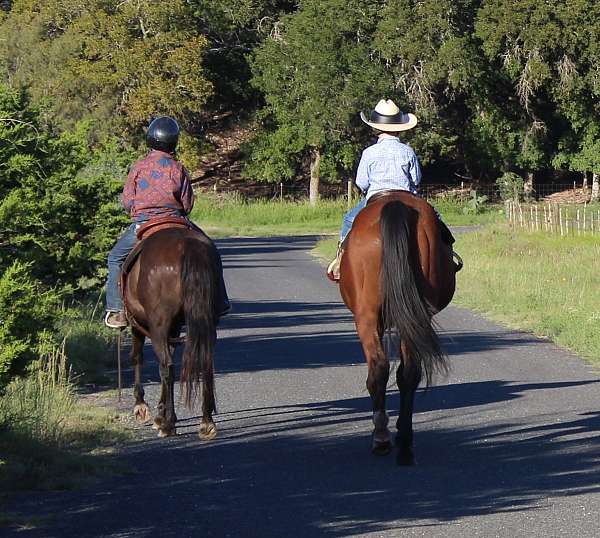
157	186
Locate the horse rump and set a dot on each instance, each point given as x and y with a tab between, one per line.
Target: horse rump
403	308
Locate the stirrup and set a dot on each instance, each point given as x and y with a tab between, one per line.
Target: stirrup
457	261
333	270
115	320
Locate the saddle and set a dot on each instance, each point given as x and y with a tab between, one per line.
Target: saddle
447	236
145	231
160	223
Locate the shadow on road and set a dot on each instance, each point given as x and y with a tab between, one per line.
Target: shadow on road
278	478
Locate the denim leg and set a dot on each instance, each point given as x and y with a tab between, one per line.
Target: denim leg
224	306
116	257
349	218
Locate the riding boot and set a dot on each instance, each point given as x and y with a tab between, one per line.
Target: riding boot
333	271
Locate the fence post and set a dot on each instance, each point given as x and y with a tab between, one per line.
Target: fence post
281	192
349	194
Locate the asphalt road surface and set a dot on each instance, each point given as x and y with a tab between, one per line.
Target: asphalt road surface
507	445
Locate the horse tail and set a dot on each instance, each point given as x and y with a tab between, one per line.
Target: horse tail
404	309
199	290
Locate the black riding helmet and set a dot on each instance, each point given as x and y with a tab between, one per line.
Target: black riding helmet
163	134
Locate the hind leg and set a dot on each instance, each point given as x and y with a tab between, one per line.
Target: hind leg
208	430
141	411
166	418
408	377
377	378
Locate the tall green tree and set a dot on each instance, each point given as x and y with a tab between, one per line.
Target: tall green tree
115	62
58	196
316	71
428	48
522	40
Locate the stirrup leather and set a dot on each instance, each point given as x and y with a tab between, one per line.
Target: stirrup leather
333	270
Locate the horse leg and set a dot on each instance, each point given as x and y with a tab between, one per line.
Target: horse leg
377	378
141	411
208	430
408	376
166	418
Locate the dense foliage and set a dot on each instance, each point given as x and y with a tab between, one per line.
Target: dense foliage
58	218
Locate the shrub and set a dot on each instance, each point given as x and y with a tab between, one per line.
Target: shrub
511	186
27	313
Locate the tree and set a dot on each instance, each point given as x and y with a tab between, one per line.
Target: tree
522	39
316	71
436	67
117	63
58	208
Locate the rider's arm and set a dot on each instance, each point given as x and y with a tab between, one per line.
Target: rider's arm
187	193
415	171
128	195
362	174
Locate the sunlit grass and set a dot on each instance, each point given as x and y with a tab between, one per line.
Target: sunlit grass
222	216
535	281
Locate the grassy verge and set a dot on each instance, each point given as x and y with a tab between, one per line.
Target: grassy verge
50	438
544	284
231	216
534	281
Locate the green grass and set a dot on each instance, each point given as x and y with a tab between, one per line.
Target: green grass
534	281
223	216
89	344
231	216
49	438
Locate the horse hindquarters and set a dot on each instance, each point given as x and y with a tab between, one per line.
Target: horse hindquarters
200	291
404	311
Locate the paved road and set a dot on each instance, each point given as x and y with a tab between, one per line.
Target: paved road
508	445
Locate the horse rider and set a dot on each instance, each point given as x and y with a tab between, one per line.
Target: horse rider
157	185
389	164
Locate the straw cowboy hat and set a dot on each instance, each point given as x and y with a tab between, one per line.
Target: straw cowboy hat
388	117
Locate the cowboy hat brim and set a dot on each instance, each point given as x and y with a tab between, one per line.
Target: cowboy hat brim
391	127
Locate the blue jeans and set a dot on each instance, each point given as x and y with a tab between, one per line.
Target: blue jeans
349	218
116	257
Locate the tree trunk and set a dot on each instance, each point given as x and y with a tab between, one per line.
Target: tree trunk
528	187
315	161
595	187
584	185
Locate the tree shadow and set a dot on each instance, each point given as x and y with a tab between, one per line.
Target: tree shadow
305	470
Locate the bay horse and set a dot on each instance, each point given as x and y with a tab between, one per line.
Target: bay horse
171	279
396	272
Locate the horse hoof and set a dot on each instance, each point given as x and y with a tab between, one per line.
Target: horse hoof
141	412
207	431
382	448
164	432
158	423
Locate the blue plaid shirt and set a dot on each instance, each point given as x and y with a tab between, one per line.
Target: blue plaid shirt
388	164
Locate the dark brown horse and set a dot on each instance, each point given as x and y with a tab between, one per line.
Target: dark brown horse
396	272
174	281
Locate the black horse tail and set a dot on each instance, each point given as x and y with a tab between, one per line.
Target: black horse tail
200	291
404	310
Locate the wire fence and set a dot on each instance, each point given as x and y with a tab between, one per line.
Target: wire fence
566	220
573	193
